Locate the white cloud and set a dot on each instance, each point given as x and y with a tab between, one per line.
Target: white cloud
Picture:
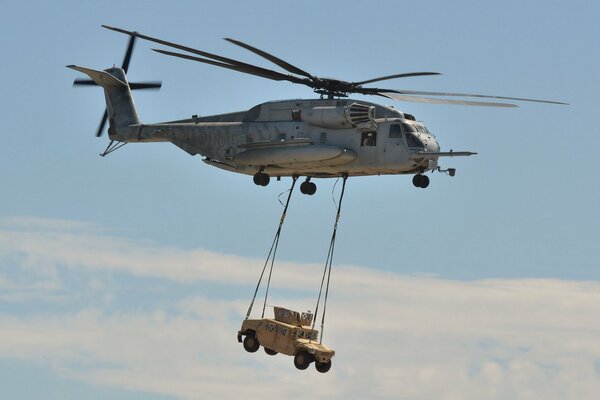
395	336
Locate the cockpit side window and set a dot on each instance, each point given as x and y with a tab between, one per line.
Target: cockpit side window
395	131
413	141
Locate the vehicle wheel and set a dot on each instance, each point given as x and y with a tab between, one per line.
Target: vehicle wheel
270	352
302	360
305	187
308	188
420	181
416	180
323	367
261	179
251	343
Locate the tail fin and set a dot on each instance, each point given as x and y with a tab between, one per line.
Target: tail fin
119	102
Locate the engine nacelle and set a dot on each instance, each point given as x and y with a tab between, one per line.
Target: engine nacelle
339	117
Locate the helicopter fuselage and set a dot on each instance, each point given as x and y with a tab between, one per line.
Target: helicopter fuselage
313	138
329	137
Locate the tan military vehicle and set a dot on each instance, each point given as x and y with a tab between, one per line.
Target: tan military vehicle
290	334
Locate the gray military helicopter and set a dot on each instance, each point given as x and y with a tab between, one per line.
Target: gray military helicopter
325	137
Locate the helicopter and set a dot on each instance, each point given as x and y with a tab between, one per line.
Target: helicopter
324	137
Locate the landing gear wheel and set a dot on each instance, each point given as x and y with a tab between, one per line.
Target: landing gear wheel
323	367
270	352
261	179
251	344
302	360
308	188
420	181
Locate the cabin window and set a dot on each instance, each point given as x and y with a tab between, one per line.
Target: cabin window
323	137
282	136
368	139
395	131
296	115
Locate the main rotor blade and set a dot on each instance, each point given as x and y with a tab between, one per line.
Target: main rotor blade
225	62
102	123
412	92
248	69
278	61
174	45
405	75
416	99
128	53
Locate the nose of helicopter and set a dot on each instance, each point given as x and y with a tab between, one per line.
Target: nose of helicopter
431	145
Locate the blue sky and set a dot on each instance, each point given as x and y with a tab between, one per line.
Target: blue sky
95	250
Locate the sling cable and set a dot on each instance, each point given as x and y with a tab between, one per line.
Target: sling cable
290	332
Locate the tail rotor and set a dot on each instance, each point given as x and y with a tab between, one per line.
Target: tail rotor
132	85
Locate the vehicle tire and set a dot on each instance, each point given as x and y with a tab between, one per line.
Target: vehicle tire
323	367
305	187
265	180
270	352
261	179
417	180
251	344
302	359
424	181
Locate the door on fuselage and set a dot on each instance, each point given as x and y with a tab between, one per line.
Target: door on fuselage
368	147
395	145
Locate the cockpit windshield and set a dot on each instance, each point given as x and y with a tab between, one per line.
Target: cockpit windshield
416	127
409	127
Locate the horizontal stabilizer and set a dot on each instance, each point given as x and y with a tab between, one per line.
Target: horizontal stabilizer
447	153
101	78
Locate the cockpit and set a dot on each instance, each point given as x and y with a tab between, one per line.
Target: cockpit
416	134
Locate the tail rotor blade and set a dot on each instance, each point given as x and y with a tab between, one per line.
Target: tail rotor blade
102	124
128	53
84	82
144	85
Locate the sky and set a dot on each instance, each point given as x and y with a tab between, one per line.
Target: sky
128	276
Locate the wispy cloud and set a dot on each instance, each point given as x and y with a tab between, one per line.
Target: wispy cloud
395	336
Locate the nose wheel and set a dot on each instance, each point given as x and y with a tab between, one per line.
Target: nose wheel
307	187
420	181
